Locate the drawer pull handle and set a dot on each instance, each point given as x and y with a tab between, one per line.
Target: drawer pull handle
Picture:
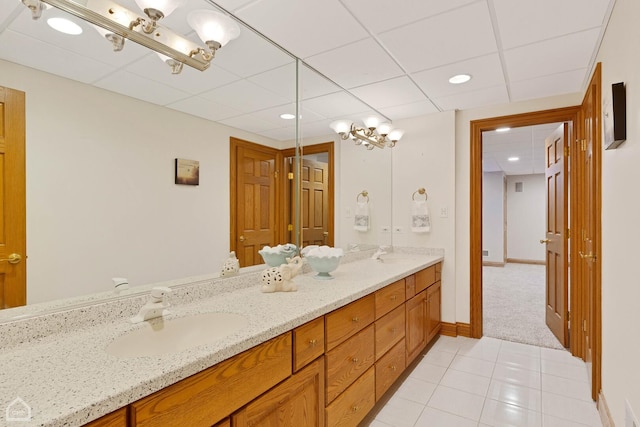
393	330
313	343
355	408
393	367
394	297
355	360
355	319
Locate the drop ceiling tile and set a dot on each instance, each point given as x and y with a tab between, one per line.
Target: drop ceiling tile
522	23
245	96
189	80
13	7
233	5
315	129
561	54
382	15
390	93
450	37
273	115
305	28
356	64
467	100
281	134
339	104
409	110
18	48
314	84
250	54
248	123
490	165
204	108
132	85
485	71
281	80
555	84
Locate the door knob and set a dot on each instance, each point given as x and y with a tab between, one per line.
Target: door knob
590	255
12	258
241	238
545	241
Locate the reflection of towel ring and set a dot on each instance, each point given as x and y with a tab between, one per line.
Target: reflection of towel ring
364	194
420	190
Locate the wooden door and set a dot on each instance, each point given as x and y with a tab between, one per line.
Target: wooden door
315	203
13	243
557	289
254	222
296	402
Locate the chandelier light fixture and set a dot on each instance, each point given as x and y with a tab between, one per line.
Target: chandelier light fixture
117	23
374	134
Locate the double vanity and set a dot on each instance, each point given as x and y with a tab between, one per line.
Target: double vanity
323	355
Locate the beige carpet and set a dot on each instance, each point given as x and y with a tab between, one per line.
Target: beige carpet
513	304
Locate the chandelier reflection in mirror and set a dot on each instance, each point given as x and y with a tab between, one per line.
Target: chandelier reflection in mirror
374	134
117	23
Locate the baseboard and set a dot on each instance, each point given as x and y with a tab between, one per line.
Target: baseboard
492	264
603	410
455	329
525	261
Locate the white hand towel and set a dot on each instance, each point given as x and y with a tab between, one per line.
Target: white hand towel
361	217
420	219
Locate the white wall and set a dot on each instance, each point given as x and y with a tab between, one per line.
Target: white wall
526	220
425	157
462	168
101	200
620	226
493	216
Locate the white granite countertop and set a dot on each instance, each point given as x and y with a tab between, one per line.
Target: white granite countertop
68	379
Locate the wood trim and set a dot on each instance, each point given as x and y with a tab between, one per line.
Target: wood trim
603	410
568	114
525	261
492	264
455	329
448	329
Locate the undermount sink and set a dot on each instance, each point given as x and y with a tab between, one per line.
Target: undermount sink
161	336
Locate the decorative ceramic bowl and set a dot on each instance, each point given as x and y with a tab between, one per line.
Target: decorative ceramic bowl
277	255
323	260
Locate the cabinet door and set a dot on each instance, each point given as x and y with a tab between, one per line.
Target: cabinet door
433	311
296	402
416	324
115	419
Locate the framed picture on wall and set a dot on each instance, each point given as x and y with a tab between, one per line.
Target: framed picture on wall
187	172
614	120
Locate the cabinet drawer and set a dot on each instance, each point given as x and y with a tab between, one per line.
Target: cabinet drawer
389	330
115	419
308	343
410	286
207	397
348	361
424	278
353	405
438	271
389	298
389	368
348	320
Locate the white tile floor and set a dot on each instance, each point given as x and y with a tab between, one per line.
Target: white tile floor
464	382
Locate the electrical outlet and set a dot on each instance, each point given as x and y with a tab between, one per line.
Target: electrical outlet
398	229
385	229
444	212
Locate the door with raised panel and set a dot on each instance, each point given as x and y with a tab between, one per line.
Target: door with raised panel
557	287
315	202
13	242
416	323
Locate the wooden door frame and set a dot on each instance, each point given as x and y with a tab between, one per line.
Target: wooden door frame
234	143
568	114
325	147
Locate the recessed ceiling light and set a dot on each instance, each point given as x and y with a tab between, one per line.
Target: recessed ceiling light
64	26
503	129
513	159
459	79
287	116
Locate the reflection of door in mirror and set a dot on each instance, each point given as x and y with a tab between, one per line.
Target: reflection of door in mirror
317	195
254	201
13	280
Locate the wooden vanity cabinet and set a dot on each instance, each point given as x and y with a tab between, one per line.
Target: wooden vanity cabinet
348	320
224	423
354	403
434	323
296	402
115	419
308	343
416	325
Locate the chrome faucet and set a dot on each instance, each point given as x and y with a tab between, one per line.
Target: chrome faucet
378	254
155	307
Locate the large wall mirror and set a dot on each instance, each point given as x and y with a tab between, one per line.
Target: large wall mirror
104	128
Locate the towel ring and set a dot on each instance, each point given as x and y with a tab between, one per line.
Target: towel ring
364	194
421	191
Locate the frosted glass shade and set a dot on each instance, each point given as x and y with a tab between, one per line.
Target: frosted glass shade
165	6
340	126
372	122
384	128
396	134
213	26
